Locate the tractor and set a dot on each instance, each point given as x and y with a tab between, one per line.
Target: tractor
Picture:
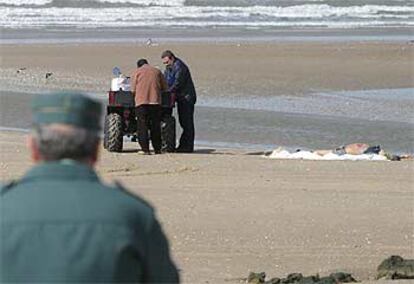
120	118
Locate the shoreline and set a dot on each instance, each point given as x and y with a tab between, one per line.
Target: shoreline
202	35
200	145
301	95
265	130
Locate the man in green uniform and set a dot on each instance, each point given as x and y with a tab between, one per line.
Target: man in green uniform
60	223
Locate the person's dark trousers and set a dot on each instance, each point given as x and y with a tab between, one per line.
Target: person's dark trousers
185	111
149	118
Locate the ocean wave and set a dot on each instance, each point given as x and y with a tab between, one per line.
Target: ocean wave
90	3
286	3
309	15
24	2
147	2
197	3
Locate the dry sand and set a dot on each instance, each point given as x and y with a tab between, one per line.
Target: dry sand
218	69
229	212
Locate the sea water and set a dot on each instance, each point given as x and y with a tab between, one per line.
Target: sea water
236	125
34	21
205	13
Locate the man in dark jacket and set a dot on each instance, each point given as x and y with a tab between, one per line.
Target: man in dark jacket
181	84
60	223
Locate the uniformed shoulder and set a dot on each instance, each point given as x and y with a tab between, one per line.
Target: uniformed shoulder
120	187
7	186
139	209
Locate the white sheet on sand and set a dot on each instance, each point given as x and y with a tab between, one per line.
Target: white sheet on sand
307	155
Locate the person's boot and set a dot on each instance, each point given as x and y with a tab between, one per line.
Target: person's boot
142	152
184	150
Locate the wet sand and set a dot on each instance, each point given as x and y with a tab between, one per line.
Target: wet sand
288	76
229	212
267	130
219	69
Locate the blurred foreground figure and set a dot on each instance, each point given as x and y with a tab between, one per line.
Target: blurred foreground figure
60	223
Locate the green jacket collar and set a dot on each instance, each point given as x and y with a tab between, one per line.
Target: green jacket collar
63	169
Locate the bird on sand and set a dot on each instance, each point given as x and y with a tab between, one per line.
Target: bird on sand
150	42
20	70
48	75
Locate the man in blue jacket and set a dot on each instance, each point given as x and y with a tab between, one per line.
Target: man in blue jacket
181	84
60	223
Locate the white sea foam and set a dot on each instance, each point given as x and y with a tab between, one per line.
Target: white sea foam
136	2
25	2
309	15
147	2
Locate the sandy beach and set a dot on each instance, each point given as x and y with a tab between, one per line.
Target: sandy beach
287	75
313	80
229	212
222	69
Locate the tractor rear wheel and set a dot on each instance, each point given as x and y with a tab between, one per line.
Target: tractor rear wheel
113	132
106	127
168	134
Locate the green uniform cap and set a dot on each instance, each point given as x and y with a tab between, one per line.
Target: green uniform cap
67	108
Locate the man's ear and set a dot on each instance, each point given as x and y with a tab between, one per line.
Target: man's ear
34	149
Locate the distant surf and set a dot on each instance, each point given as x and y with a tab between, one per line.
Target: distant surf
29	14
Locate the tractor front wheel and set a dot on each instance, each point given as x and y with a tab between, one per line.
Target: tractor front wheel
113	133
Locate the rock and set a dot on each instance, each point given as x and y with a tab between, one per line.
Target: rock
326	280
342	277
292	278
298	278
395	267
256	278
274	280
310	280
